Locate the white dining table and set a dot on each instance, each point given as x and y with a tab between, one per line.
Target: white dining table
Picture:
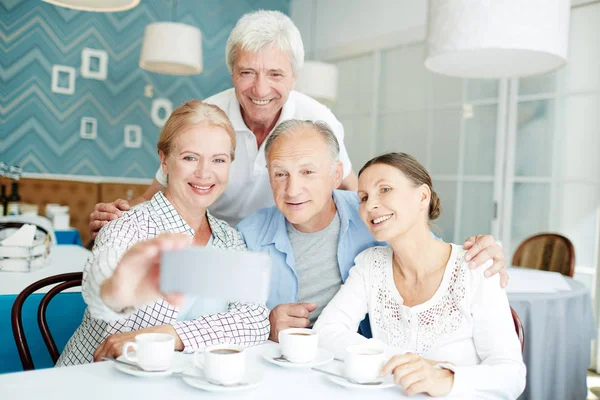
63	258
103	381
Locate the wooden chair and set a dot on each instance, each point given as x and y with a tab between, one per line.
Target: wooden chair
518	328
64	281
548	252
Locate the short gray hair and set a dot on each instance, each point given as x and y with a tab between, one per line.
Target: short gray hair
293	125
262	28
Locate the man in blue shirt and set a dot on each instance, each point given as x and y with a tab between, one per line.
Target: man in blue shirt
314	231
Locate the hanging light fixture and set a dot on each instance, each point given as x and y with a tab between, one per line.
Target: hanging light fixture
497	39
318	80
172	48
96	5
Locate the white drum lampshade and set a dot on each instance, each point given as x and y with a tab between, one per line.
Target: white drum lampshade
497	39
172	48
96	5
318	80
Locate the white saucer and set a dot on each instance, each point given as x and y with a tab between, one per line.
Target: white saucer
180	362
323	357
387	382
253	378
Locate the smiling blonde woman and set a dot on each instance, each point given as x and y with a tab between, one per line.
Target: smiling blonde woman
196	148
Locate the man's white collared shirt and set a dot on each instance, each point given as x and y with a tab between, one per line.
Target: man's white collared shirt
249	189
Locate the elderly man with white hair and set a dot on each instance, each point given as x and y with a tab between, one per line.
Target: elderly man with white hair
264	53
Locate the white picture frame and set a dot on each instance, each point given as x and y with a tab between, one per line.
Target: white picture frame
157	105
87	55
58	83
88	129
132	136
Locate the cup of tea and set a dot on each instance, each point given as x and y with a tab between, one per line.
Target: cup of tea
153	351
299	345
363	364
224	364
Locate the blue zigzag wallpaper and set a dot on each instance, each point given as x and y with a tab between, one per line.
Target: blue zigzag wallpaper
40	129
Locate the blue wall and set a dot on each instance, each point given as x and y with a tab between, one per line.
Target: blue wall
39	129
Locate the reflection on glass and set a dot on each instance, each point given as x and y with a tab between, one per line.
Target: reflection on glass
480	89
444	225
477	209
404	80
480	143
531	211
535	136
446	90
355	87
358	140
444	146
405	132
538	84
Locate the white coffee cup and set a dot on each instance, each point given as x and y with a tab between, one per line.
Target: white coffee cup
299	345
153	351
363	364
222	363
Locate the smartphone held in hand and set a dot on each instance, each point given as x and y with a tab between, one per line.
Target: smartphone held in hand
217	274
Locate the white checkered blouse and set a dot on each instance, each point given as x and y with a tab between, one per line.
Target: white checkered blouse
244	323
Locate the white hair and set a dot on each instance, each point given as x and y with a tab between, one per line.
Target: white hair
294	125
258	29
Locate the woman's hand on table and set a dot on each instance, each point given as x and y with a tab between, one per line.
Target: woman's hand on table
113	345
416	374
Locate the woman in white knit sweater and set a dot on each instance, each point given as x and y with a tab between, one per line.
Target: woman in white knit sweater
450	327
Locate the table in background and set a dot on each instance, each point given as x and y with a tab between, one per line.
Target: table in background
68	236
64	312
103	381
558	328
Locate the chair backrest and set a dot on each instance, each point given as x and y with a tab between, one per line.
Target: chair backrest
64	282
518	328
548	252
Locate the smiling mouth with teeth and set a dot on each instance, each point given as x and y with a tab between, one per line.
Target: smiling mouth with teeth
379	220
200	187
261	102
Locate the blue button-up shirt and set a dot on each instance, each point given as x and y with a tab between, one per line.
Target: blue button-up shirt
265	231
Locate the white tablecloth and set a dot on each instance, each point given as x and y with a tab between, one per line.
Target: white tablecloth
63	259
104	381
559	328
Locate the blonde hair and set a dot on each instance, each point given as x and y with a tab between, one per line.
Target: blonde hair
414	171
190	113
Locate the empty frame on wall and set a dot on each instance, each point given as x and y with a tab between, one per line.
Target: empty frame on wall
63	79
88	128
94	64
132	136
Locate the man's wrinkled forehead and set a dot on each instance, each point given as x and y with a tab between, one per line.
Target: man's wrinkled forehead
302	147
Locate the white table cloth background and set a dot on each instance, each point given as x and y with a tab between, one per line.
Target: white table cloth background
63	259
559	328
